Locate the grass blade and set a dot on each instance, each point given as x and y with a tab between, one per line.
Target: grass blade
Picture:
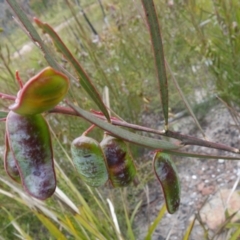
52	228
84	78
17	227
135	211
235	235
157	45
185	100
89	226
155	223
33	34
130	232
189	230
114	218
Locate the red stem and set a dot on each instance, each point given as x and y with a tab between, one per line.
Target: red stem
19	80
6	96
88	130
185	139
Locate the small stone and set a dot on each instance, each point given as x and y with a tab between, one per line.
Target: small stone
221	160
213	213
194	177
200	186
208	190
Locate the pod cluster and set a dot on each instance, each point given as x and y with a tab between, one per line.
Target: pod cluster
110	160
98	163
28	155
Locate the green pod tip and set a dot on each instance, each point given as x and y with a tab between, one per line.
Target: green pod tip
41	93
119	160
89	161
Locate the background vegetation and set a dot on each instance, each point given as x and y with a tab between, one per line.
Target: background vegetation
202	47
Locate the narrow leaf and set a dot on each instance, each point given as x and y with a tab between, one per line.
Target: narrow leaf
41	93
157	45
84	78
166	174
198	155
124	134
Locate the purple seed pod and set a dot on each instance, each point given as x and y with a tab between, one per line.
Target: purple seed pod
119	160
30	142
10	163
166	174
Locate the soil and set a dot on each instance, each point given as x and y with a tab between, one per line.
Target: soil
201	179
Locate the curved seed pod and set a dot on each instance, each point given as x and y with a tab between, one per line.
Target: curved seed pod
41	93
89	161
30	142
166	174
120	163
10	163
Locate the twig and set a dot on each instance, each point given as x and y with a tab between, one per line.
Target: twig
185	139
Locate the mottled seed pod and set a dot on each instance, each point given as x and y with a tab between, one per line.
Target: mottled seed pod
166	174
119	160
30	142
89	161
10	163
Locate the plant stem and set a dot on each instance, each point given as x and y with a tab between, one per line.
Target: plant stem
7	96
185	139
85	133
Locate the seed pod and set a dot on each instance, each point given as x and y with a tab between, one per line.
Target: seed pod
41	93
10	163
119	160
166	174
89	161
30	142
